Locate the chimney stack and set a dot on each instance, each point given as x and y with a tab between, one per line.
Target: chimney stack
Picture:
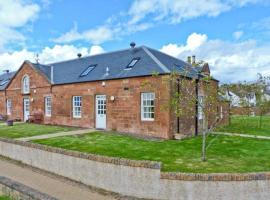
193	60
189	59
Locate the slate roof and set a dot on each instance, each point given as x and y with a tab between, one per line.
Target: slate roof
4	79
150	61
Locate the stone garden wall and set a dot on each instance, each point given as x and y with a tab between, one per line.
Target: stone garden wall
142	179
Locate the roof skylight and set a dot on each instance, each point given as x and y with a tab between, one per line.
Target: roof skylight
132	63
88	70
4	82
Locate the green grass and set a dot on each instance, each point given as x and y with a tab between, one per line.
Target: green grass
226	154
27	130
4	198
247	125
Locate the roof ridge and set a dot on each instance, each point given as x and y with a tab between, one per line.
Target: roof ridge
156	60
170	56
88	56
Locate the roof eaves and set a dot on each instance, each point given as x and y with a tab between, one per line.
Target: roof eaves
156	60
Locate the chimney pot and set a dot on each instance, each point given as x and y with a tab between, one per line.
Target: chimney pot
132	44
193	59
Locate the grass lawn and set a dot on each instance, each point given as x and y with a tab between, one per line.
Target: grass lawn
226	154
4	198
27	130
247	125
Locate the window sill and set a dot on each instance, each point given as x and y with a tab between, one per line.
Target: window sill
147	120
76	117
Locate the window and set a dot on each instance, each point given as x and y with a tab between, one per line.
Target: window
26	85
9	107
147	106
132	63
77	106
200	107
87	70
48	106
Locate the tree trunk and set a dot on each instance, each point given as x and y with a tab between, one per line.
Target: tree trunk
204	146
204	140
260	124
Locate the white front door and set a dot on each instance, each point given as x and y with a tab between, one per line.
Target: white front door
101	111
26	109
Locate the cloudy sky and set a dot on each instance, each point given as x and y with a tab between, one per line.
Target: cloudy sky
231	35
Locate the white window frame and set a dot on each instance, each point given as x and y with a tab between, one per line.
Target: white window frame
48	106
148	103
9	107
77	106
26	84
200	107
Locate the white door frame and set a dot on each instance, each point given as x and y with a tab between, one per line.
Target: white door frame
101	111
25	112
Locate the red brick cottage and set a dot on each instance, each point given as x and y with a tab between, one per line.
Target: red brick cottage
105	91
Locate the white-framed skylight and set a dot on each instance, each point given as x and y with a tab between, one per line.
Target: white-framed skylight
3	82
132	63
88	70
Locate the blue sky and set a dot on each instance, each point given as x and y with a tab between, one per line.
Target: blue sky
232	35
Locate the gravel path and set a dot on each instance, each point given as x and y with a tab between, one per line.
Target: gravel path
243	135
54	186
53	135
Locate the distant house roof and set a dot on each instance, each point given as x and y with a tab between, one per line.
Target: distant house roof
5	79
115	65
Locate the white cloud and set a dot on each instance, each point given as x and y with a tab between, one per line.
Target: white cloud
15	14
229	62
96	36
95	49
101	34
175	11
194	41
238	34
13	61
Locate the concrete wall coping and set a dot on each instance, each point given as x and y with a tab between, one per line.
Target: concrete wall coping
149	164
215	176
23	190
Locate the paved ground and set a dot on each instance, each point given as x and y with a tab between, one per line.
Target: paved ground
242	135
53	135
54	186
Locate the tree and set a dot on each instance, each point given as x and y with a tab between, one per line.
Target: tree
184	97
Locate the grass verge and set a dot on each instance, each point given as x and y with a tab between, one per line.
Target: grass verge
27	130
247	125
226	154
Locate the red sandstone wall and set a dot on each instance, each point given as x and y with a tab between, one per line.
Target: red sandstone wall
245	111
39	88
2	103
123	114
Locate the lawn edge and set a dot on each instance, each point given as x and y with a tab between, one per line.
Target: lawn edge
185	176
